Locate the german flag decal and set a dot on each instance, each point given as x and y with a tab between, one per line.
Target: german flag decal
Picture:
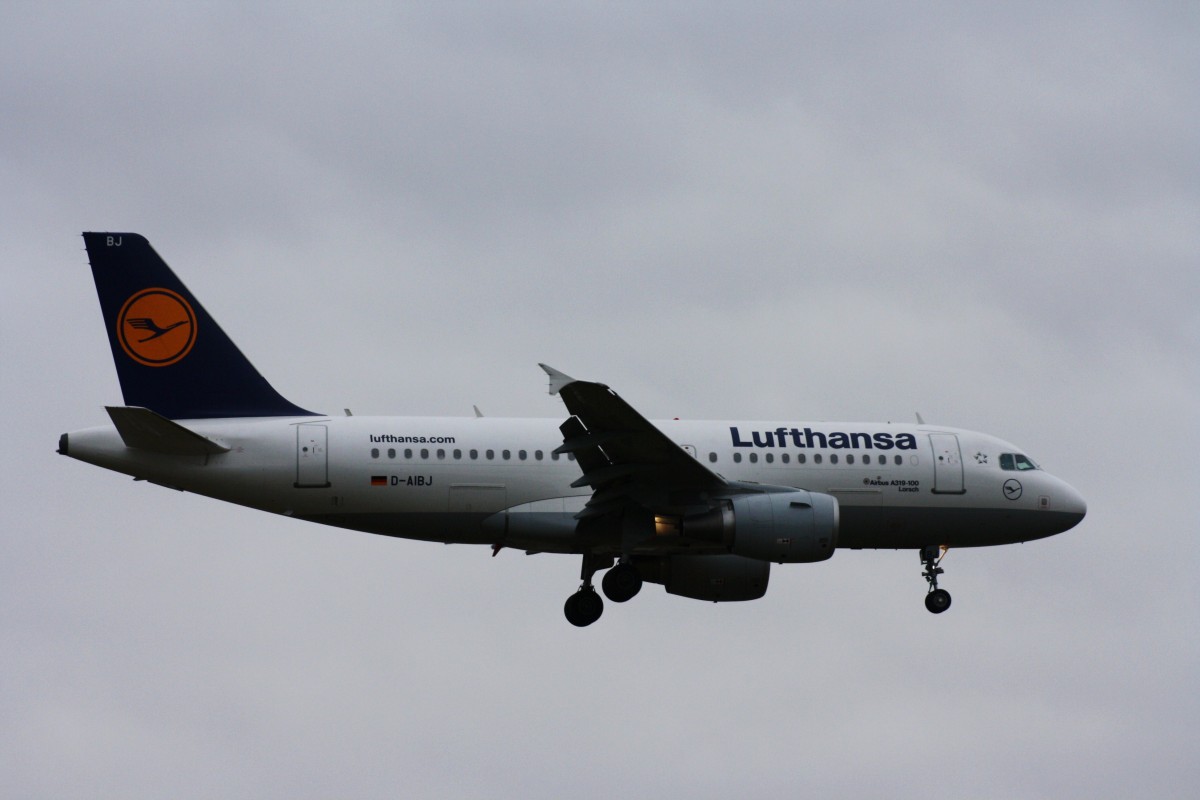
379	480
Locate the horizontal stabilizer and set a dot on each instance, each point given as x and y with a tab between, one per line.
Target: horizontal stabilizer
143	429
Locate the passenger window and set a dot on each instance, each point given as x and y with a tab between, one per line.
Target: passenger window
801	458
521	454
374	452
441	454
754	458
737	458
817	458
770	458
537	454
553	456
784	458
457	454
490	454
833	458
506	454
424	452
899	461
474	454
850	458
712	458
867	459
391	452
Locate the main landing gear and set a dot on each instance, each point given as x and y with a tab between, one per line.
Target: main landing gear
620	584
584	607
937	600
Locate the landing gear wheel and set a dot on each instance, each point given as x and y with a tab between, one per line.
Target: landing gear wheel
584	607
621	583
937	601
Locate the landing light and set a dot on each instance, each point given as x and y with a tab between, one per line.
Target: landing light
666	526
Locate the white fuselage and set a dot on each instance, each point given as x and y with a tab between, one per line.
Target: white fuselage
447	479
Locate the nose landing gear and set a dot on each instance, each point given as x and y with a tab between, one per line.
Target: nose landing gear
937	600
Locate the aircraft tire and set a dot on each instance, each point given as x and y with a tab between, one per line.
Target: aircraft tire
621	583
937	601
584	607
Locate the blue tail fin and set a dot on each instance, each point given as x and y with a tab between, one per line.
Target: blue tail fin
171	356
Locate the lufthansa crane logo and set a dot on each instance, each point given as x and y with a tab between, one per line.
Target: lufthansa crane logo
156	327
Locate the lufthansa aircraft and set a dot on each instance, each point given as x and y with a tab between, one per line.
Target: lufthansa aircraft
702	508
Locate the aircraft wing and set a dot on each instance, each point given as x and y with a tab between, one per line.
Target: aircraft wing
625	458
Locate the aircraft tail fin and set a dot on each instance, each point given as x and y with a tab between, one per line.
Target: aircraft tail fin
171	356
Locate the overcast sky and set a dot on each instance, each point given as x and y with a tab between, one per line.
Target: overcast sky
989	215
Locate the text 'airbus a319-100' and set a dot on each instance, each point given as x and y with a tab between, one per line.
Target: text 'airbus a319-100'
700	507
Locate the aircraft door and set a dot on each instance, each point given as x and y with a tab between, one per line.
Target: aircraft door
947	464
312	456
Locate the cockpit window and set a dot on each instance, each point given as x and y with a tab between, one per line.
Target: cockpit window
1016	461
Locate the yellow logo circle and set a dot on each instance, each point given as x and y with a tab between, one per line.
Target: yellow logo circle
156	327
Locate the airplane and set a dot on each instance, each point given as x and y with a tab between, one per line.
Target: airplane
702	508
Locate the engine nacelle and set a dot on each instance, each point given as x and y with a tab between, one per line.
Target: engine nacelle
719	578
785	527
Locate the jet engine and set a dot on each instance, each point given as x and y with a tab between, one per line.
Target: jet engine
785	527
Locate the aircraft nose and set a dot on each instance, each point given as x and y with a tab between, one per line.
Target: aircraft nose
1072	505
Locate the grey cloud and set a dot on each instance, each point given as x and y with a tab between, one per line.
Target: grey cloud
987	215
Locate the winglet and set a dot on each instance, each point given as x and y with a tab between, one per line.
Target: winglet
557	379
